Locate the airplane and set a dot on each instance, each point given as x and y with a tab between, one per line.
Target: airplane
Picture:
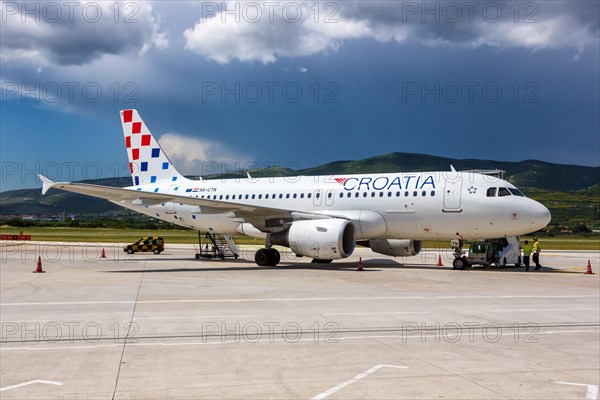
320	217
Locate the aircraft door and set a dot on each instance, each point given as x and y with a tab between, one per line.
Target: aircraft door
452	191
317	197
329	197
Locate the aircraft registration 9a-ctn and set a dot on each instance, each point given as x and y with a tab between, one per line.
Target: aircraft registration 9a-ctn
321	217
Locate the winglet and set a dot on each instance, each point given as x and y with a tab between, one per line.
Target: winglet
46	183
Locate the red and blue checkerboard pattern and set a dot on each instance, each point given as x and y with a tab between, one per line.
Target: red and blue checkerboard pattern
147	162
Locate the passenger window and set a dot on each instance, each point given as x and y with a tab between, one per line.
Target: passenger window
503	192
356	194
389	194
341	195
415	193
221	197
432	193
397	194
372	194
260	196
247	197
266	196
365	194
253	196
287	196
295	195
491	192
318	195
227	197
406	194
423	193
281	195
233	197
329	195
308	196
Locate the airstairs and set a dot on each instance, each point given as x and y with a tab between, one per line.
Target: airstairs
213	245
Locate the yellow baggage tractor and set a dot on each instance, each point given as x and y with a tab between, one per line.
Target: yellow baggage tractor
154	244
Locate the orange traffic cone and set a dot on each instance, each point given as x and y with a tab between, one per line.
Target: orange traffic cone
360	267
103	255
589	269
439	264
39	269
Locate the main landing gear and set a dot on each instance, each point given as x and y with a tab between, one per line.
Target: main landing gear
267	256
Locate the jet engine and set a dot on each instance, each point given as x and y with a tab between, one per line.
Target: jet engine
322	239
396	247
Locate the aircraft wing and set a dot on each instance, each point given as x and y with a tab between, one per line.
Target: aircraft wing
257	215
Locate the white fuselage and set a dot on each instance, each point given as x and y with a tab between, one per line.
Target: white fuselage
422	205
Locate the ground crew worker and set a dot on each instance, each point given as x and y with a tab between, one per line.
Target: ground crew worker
536	253
526	253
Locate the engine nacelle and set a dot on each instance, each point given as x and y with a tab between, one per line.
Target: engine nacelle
396	247
322	239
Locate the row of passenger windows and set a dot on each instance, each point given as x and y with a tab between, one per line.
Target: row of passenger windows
317	195
491	192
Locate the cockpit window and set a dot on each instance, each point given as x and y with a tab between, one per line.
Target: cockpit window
491	192
503	192
516	192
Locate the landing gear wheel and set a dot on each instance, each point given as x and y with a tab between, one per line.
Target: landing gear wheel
262	257
130	251
156	251
460	263
275	257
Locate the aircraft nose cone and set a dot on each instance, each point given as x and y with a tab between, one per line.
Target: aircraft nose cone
539	215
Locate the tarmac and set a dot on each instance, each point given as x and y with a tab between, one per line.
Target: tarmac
170	326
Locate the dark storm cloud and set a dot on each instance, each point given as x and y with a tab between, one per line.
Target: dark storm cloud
75	33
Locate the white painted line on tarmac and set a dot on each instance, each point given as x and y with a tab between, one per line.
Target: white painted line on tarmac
549	309
592	390
380	313
199	317
31	383
358	377
553	332
61	303
16	320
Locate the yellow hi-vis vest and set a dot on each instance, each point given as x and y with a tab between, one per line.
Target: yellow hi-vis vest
536	247
527	249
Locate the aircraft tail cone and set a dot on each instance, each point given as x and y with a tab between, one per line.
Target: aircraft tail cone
103	254
589	269
360	264
38	268
439	264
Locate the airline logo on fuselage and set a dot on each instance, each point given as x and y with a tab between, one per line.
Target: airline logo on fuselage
387	183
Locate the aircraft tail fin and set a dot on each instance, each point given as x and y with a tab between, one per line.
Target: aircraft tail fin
148	163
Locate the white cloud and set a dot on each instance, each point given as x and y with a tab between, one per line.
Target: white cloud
46	33
190	154
233	33
303	70
224	37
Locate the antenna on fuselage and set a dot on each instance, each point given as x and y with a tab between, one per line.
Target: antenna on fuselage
452	168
